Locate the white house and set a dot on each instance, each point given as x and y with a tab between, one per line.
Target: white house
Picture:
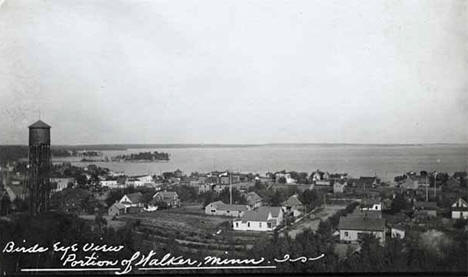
143	178
371	205
112	184
219	208
460	209
132	200
62	183
398	232
353	227
286	176
262	219
338	187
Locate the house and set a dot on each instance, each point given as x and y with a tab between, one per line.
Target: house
460	209
338	186
425	208
178	173
171	198
262	219
371	204
367	182
132	200
253	199
353	227
219	208
413	182
317	176
117	209
284	176
323	183
293	206
112	184
398	231
338	176
61	183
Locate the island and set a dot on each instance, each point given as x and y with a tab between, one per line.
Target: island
142	157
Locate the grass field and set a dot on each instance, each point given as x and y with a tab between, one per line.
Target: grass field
191	228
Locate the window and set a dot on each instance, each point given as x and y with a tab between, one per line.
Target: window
228	211
260	224
346	234
237	224
213	211
248	224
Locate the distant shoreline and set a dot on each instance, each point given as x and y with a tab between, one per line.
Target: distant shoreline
124	147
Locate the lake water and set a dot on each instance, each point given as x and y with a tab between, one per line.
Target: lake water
357	160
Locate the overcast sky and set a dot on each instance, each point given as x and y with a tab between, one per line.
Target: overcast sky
134	71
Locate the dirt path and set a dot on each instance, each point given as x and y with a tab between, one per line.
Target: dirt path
313	219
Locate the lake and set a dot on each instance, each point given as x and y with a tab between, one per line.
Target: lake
356	160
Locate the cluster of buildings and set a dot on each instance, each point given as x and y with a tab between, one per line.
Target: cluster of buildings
254	216
368	219
135	203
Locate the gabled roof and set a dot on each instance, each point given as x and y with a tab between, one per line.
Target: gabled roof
219	205
118	205
135	197
369	202
361	223
166	194
39	124
460	204
261	214
253	197
292	202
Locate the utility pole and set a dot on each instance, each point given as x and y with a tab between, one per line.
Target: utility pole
230	188
435	184
427	190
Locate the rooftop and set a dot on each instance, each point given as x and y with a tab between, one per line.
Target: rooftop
39	124
261	214
361	223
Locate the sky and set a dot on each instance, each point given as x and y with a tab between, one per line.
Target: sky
236	71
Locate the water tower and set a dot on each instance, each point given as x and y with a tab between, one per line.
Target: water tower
39	167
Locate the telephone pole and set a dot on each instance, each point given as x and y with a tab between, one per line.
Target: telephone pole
230	188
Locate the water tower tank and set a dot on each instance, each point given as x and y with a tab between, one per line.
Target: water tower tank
39	133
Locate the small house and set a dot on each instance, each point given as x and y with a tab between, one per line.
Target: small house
425	208
117	209
371	204
219	208
460	209
254	200
171	198
338	186
293	206
262	219
398	231
132	200
352	228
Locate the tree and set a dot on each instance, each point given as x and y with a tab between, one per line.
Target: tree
81	180
100	221
399	203
310	198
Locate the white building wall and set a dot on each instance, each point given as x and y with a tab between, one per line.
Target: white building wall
459	214
251	226
398	233
352	235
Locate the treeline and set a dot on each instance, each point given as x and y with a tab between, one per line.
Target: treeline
143	156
